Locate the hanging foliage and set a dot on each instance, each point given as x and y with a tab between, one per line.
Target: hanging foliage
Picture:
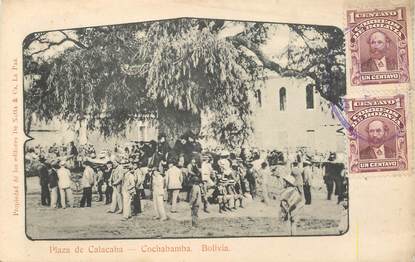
112	74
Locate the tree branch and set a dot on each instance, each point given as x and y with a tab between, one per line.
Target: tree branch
48	47
76	42
51	44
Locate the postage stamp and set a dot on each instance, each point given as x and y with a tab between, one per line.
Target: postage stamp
377	134
379	46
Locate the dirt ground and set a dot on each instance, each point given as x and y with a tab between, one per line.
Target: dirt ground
255	219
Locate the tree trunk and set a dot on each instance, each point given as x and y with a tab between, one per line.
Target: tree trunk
174	123
28	122
82	132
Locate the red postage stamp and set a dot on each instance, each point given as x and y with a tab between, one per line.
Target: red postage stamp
377	134
379	46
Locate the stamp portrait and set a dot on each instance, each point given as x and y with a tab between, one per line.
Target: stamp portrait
379	46
377	134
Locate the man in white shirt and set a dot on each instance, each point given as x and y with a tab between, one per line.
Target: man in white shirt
64	183
174	180
116	179
159	184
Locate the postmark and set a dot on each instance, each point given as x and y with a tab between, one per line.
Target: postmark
377	134
378	46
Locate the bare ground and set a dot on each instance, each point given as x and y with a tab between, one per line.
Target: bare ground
256	219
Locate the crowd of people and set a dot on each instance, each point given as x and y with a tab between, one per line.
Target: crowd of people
186	172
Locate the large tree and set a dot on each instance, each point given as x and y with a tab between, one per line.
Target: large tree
180	69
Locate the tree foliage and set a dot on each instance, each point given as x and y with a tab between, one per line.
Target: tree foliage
320	56
113	74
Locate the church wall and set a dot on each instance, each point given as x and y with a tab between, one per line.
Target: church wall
296	125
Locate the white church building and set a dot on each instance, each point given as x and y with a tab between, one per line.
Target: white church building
289	113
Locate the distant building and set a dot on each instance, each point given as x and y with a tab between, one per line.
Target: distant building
62	133
289	113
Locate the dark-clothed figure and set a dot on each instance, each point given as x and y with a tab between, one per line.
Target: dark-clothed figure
100	182
107	174
73	152
192	171
189	146
251	178
136	202
163	147
87	181
195	200
342	184
197	147
53	186
179	146
237	185
44	182
332	176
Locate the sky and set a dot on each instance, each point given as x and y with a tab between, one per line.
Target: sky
277	42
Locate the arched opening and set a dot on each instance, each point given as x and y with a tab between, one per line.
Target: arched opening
309	97
258	97
283	99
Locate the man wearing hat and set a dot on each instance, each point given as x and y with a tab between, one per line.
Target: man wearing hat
163	147
238	194
297	174
192	170
53	184
179	146
307	178
139	174
158	183
251	175
117	176
87	181
265	174
128	192
206	173
291	203
44	181
224	163
189	146
332	175
64	176
107	171
174	180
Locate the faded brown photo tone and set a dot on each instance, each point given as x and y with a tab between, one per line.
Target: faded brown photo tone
184	128
207	130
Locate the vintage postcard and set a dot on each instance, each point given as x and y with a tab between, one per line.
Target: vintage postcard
210	145
192	131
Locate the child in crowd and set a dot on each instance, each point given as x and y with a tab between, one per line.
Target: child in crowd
195	199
